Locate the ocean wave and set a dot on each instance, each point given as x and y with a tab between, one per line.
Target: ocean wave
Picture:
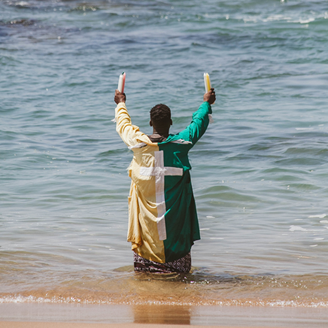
199	288
319	216
297	18
19	299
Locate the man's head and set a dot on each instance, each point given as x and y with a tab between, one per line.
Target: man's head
160	118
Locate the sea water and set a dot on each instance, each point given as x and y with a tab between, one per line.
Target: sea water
259	173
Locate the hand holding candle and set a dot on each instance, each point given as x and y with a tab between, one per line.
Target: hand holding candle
119	93
209	95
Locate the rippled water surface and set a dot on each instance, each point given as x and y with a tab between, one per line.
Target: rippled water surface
259	173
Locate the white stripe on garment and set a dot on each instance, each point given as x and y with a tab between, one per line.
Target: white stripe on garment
159	172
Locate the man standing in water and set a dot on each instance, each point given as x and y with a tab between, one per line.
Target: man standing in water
163	223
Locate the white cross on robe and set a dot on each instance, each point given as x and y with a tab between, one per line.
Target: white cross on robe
159	172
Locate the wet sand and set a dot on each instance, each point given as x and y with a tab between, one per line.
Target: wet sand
13	324
37	315
92	325
89	325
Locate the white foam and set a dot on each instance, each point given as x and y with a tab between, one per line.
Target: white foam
306	21
303	129
22	4
324	221
57	300
296	228
319	216
276	18
249	19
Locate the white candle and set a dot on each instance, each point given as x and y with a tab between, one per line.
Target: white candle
121	82
207	82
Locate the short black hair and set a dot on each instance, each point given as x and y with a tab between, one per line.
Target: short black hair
160	114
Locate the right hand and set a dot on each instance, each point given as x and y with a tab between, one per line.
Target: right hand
119	97
210	96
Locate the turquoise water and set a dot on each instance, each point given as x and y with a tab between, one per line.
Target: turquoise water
259	173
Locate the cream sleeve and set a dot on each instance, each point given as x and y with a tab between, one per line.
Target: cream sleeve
130	134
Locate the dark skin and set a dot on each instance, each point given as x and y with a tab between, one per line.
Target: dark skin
163	130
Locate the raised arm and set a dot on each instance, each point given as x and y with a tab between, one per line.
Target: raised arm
130	134
200	119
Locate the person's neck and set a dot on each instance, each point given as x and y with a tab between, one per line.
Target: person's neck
162	133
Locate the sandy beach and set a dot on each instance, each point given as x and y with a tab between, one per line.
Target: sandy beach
87	325
102	316
92	325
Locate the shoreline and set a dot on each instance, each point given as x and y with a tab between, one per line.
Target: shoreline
97	325
98	316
